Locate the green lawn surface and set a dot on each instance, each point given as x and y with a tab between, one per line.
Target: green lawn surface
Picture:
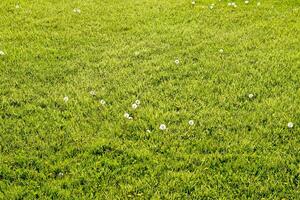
71	70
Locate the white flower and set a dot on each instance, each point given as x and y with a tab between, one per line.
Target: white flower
137	102
60	174
148	131
130	118
66	99
250	96
93	93
102	101
2	53
126	115
258	3
290	124
134	106
177	61
191	122
193	2
76	10
221	50
246	2
162	127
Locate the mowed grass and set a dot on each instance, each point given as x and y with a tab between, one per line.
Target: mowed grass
238	148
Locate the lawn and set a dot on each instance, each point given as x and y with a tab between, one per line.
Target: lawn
149	99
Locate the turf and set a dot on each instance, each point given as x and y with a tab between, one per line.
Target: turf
239	147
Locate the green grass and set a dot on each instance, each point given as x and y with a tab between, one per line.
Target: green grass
125	50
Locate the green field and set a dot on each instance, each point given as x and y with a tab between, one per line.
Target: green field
222	81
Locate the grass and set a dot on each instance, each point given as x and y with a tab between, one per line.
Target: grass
239	147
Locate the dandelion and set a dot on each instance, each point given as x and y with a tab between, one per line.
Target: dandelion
290	124
60	174
148	131
93	93
137	102
126	115
76	10
134	106
2	53
191	122
130	118
102	102
66	99
246	2
193	2
258	3
177	61
162	127
221	50
250	96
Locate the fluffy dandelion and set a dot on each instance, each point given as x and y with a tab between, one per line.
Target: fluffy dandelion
162	127
102	102
137	102
2	53
134	106
60	174
251	96
193	2
93	93
232	4
126	115
66	99
76	10
177	61
221	50
290	124
246	2
191	123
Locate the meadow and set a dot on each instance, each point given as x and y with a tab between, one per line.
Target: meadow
149	99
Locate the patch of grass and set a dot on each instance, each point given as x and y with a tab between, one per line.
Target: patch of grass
238	148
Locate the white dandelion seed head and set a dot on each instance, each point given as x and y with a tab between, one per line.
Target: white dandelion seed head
76	10
126	115
60	174
290	124
246	2
162	127
134	106
93	92
221	50
191	122
177	61
2	53
102	102
193	2
66	99
251	96
137	102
